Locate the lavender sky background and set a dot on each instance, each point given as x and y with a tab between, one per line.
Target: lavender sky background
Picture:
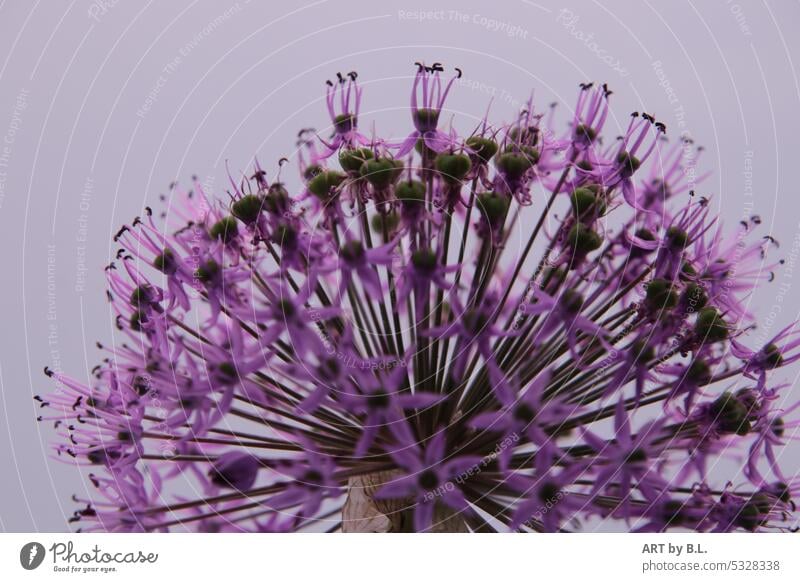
104	103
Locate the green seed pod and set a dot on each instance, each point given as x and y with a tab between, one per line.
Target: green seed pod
585	133
661	295
531	153
694	297
208	272
453	168
426	119
277	200
571	301
644	353
390	220
749	517
344	122
352	251
493	207
677	238
312	171
583	239
226	229
381	172
586	204
248	208
772	355
513	166
352	160
410	191
730	414
698	373
142	296
484	148
323	184
424	260
710	327
285	235
166	263
629	163
644	234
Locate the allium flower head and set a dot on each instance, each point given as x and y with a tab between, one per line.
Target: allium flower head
367	352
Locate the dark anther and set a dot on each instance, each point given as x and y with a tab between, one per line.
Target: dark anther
648	117
771	239
339	76
661	127
109	296
120	252
635	114
283	161
606	91
744	224
48	372
419	65
353	75
459	73
586	86
328	83
120	232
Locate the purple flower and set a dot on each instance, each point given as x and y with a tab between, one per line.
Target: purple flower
344	112
378	347
427	101
429	479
